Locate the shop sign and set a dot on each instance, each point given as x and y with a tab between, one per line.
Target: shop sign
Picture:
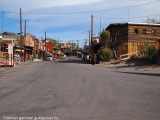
10	49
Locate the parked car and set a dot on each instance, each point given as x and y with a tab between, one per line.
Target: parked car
54	58
49	57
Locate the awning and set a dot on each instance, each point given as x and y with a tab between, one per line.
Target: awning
7	39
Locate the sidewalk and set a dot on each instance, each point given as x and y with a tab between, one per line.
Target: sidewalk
2	69
131	67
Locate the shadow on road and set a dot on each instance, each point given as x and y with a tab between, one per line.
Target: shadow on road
72	60
149	74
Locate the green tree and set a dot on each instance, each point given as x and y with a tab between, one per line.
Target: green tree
105	39
55	44
67	52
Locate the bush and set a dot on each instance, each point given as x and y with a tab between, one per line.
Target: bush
67	52
152	54
105	54
149	52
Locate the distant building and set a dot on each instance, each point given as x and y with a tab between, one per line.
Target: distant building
66	46
49	47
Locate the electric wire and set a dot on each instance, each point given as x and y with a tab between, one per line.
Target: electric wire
89	11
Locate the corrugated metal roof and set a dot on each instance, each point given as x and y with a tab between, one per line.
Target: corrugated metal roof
132	23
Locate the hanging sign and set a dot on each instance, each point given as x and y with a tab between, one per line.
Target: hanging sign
10	49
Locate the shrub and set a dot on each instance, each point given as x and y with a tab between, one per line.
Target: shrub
105	54
152	54
67	52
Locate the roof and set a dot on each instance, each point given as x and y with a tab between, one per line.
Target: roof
7	39
132	23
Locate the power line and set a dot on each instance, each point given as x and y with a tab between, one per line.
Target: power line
127	18
91	11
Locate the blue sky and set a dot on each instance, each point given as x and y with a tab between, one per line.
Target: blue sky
73	26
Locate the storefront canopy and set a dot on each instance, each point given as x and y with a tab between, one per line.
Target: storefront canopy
7	40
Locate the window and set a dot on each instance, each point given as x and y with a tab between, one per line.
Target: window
136	31
144	31
120	32
153	32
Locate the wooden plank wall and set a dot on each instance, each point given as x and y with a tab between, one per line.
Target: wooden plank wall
130	47
138	46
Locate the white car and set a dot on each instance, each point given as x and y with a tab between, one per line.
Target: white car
49	57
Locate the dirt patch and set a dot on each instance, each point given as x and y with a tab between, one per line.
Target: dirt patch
137	66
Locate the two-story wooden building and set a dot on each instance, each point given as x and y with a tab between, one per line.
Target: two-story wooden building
131	37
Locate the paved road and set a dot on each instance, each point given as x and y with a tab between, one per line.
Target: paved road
71	90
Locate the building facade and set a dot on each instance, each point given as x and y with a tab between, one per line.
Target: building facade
128	38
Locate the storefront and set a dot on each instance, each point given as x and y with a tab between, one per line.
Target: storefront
6	51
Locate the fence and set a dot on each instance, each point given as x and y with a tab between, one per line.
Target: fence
127	56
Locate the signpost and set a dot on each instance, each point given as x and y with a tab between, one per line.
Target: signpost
10	52
10	49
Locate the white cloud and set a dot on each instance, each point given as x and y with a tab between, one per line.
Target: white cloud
38	4
64	23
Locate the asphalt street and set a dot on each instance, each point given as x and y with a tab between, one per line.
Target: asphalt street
72	90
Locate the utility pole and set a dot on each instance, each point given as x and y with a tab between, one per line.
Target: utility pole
100	27
21	31
92	51
45	46
58	44
100	33
85	42
25	44
74	49
2	23
77	44
2	30
89	42
70	44
128	14
58	40
61	45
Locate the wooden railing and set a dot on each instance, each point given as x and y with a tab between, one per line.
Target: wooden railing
127	56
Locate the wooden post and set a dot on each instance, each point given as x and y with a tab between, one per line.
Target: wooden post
92	40
21	32
45	47
89	42
25	44
2	23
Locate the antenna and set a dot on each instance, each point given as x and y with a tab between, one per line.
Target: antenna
100	25
2	22
128	14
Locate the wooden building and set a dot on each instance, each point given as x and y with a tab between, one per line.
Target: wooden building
128	38
6	51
